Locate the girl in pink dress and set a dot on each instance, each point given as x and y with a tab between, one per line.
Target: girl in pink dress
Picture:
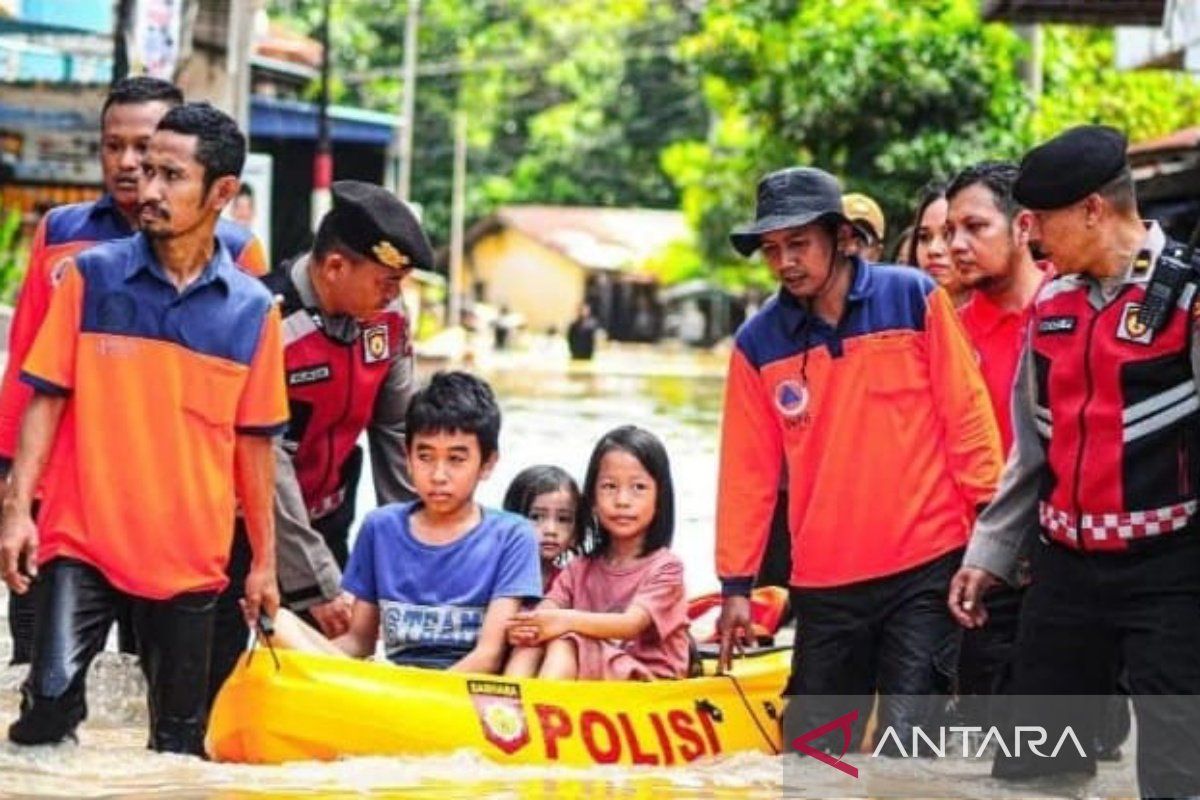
619	611
549	498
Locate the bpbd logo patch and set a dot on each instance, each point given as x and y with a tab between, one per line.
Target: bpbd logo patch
791	398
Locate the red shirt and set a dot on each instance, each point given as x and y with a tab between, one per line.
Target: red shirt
998	335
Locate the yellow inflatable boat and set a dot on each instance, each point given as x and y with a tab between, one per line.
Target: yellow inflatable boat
302	706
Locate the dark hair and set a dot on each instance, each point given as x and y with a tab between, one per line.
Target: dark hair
997	177
245	191
141	89
930	193
456	402
220	146
326	240
532	482
1120	192
900	248
650	453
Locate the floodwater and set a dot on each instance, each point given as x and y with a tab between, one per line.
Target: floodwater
549	416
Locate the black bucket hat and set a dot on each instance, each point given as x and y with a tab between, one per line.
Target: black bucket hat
789	198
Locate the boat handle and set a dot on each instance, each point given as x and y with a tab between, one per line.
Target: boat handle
705	707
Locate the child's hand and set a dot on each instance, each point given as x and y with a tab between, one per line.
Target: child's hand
529	628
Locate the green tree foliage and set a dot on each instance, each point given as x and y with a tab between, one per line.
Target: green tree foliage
685	103
1081	86
883	94
567	101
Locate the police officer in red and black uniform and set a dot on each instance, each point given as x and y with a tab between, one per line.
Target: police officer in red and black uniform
349	368
1104	471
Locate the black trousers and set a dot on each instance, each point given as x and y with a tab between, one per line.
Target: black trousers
22	616
231	632
76	606
1085	617
892	635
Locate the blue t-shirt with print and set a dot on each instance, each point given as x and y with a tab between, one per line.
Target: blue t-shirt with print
432	598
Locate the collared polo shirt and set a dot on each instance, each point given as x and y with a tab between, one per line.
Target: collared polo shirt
998	336
63	232
160	383
885	425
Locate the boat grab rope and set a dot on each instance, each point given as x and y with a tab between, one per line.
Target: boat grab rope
750	710
264	630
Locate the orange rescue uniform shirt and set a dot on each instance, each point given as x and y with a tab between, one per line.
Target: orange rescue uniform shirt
61	233
885	425
159	384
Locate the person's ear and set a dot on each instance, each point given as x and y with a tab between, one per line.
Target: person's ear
1093	210
222	191
489	464
1023	225
845	240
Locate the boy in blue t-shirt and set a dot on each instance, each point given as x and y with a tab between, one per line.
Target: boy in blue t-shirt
439	577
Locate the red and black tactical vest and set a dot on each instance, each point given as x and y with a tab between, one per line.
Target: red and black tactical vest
332	385
1116	411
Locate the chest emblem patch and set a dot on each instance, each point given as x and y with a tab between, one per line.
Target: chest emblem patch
375	344
791	398
1131	328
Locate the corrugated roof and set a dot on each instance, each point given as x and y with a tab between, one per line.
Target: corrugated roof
1079	12
1186	139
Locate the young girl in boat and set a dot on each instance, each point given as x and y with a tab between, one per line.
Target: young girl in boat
550	499
618	612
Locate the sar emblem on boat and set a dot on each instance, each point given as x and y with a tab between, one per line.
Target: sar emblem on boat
501	715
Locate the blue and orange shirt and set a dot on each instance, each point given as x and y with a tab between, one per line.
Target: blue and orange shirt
62	233
159	383
885	425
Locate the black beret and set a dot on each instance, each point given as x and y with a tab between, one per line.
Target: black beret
374	223
1069	167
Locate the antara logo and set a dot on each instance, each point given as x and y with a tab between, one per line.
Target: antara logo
844	723
922	745
1031	736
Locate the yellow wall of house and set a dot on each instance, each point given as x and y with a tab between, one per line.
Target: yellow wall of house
531	279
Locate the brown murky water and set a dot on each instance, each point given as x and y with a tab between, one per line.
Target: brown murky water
549	417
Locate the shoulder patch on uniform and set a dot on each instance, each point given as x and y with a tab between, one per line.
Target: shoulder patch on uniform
1131	327
1056	325
307	375
375	344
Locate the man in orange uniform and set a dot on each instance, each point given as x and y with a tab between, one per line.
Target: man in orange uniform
159	386
131	111
860	377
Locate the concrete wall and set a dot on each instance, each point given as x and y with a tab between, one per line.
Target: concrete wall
531	279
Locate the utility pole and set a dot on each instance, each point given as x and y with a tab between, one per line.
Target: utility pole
1030	67
410	98
323	159
122	33
240	43
458	210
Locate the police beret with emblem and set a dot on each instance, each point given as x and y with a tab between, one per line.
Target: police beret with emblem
374	223
1069	167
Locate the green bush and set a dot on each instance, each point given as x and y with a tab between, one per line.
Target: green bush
12	255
